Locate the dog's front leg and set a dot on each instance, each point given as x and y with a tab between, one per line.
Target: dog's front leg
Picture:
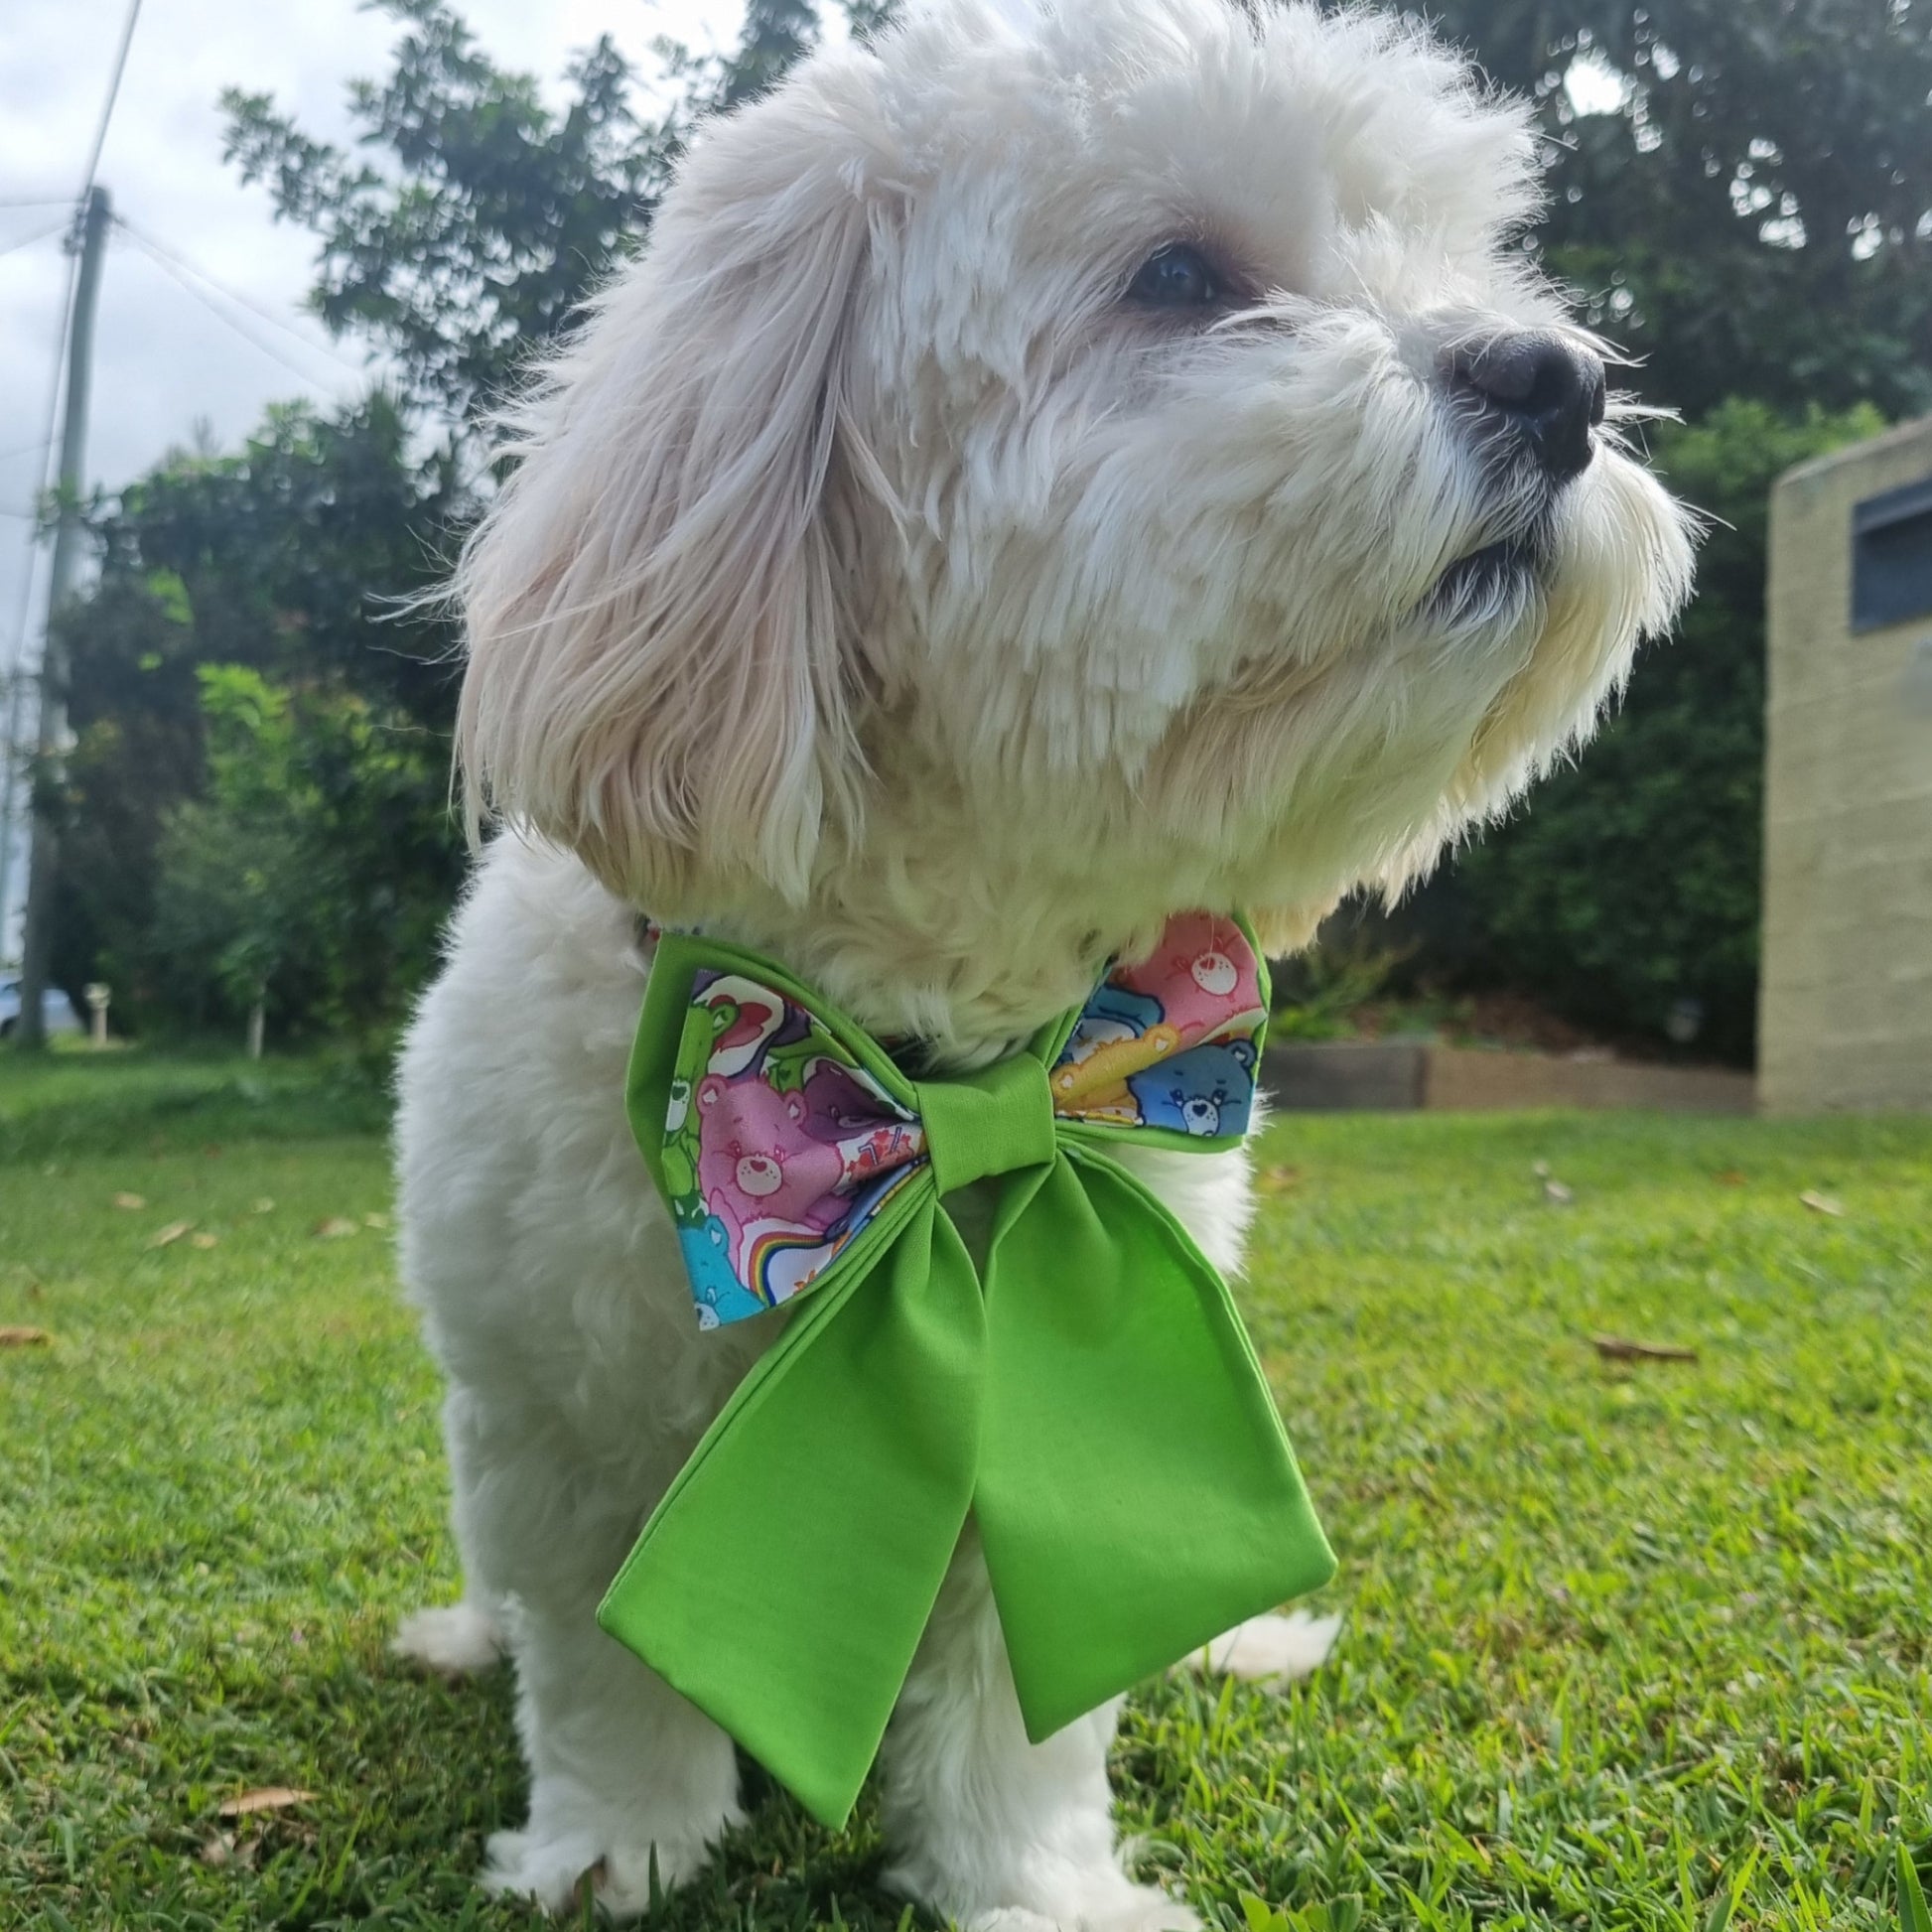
623	1772
1002	1835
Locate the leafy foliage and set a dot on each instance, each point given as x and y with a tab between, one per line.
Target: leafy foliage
1766	167
306	556
306	873
233	895
274	561
1317	992
499	216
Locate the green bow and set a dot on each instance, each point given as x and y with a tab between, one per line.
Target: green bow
1088	1395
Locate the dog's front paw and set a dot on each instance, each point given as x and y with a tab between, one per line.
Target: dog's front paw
1274	1649
1058	1896
1111	1904
451	1640
555	1863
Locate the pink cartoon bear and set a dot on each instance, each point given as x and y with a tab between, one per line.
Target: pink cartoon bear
1204	975
757	1165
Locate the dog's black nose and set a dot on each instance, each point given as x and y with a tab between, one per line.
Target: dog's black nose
1549	391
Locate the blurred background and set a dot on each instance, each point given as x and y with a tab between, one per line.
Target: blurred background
333	231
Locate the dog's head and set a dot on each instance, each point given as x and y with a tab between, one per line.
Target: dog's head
1113	444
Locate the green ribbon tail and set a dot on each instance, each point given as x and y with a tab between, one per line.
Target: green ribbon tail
1137	1495
785	1580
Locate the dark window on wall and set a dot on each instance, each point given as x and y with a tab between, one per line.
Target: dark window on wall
1892	557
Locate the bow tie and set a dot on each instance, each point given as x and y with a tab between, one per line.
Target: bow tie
1087	1393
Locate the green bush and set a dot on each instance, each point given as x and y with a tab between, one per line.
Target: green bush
312	872
1623	894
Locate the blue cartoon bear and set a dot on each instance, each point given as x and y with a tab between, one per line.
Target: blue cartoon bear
718	1294
1208	1090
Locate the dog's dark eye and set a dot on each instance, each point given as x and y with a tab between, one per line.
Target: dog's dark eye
1176	277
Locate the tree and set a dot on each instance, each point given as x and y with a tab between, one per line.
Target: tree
311	872
235	910
294	558
500	214
1754	217
1751	218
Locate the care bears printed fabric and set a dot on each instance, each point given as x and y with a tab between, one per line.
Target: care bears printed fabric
1173	1040
780	1148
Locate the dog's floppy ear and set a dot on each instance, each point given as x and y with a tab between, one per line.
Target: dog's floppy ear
654	676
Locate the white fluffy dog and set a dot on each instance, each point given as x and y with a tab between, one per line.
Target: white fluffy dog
1060	464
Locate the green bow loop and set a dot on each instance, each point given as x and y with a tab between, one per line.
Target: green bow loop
1086	1394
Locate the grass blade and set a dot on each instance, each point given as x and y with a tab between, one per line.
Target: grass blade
1913	1915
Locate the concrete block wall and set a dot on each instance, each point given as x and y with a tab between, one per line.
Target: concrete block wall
1845	1017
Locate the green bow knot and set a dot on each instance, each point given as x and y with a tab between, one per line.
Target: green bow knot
1086	1393
986	1123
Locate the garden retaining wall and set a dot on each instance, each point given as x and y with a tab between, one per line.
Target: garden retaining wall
1382	1076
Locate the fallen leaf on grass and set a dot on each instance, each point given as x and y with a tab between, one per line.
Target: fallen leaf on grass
1615	1348
1278	1181
24	1337
131	1201
270	1797
1555	1190
336	1227
1821	1204
167	1236
218	1851
263	1206
1732	1177
202	1240
376	1220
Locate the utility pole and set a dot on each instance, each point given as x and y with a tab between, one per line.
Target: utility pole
36	943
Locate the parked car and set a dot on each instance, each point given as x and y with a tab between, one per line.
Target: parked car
57	1010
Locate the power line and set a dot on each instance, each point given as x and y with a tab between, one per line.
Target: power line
172	258
178	273
113	93
39	234
35	201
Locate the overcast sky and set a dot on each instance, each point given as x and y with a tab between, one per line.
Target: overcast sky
168	359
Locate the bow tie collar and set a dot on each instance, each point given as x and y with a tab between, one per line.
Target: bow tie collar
1088	1395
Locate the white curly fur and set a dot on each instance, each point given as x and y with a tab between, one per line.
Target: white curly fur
878	587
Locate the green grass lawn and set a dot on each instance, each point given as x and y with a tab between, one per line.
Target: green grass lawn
1621	1640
